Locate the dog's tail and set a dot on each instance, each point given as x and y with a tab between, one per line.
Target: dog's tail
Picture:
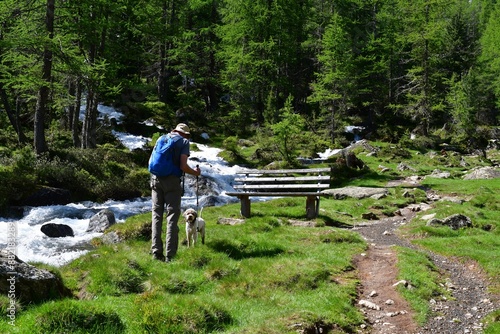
199	213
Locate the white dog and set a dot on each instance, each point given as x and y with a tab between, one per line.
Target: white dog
194	225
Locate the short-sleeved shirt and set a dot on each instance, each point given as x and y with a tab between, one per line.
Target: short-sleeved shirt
181	147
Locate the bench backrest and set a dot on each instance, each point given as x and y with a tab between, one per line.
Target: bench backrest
311	180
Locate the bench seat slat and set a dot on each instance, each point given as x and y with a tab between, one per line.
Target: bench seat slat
280	186
284	171
274	194
282	179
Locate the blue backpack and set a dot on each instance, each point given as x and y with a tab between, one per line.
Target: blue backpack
161	161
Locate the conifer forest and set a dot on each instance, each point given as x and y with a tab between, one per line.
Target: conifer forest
398	68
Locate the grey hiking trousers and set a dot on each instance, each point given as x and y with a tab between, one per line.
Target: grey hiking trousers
166	192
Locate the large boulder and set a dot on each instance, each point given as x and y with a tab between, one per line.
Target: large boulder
101	221
49	196
356	192
57	230
455	221
352	161
27	283
483	173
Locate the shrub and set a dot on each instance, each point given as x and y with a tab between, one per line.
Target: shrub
231	145
15	185
314	144
55	172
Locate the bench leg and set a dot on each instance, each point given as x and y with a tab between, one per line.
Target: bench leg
311	207
245	206
317	205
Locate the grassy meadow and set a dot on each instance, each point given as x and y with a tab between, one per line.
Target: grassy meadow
270	274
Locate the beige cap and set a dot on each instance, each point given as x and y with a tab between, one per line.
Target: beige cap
182	128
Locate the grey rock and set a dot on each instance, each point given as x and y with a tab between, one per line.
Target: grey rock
355	192
28	283
111	238
402	167
483	173
437	174
230	221
369	304
452	199
455	221
101	221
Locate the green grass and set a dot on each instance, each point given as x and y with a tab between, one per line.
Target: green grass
480	243
493	321
423	276
263	276
267	275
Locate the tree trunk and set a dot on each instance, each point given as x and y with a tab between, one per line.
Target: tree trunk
74	89
89	128
168	16
90	121
43	92
75	124
13	117
332	122
162	76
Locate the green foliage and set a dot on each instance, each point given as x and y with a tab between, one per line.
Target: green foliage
5	304
394	152
136	229
486	199
267	151
462	111
231	146
76	317
493	323
159	111
420	143
288	132
490	51
97	174
231	65
17	178
341	174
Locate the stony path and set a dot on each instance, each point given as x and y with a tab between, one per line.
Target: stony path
389	313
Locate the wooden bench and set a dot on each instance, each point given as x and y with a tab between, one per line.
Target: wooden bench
282	183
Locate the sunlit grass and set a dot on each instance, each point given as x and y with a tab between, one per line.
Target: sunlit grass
262	276
423	279
481	204
270	275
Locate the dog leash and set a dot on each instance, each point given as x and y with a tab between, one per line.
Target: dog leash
183	178
197	206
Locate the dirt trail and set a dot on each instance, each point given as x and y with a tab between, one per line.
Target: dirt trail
463	313
377	274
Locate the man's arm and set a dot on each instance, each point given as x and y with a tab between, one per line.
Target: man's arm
185	167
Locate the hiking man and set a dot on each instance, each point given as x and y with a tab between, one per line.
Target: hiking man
167	191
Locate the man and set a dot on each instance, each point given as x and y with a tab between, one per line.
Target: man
167	191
